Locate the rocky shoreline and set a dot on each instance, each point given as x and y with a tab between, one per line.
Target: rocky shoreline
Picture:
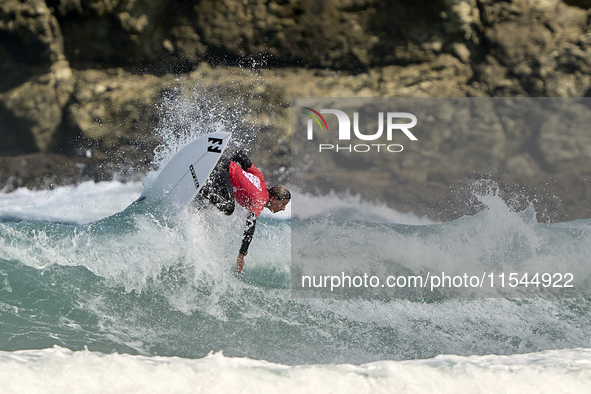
90	90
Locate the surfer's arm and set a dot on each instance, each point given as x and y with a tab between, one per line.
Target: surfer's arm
251	222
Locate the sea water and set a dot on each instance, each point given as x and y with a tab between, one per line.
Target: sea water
134	304
137	305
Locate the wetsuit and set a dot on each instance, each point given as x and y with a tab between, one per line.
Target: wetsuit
237	179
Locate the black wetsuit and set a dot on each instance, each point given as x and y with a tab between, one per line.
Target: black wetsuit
218	189
219	192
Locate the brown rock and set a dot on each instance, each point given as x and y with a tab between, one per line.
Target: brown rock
30	41
46	171
108	107
38	104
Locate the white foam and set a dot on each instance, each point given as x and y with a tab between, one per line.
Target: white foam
350	207
90	201
59	370
84	203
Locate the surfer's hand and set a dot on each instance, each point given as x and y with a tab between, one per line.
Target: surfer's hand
239	263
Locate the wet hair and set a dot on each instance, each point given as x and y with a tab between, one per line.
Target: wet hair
280	192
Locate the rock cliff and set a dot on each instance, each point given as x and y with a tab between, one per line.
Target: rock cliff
89	89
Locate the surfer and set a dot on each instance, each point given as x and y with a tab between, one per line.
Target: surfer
237	179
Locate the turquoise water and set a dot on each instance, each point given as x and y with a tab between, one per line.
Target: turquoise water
136	304
138	286
141	303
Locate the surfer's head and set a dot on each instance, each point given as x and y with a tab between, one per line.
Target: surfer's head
279	197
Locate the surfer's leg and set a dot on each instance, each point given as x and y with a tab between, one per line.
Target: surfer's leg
218	189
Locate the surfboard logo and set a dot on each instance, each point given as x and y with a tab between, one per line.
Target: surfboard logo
215	145
195	180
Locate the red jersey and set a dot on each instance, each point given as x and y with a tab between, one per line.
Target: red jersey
250	189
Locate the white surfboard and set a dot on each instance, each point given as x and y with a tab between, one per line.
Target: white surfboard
183	176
